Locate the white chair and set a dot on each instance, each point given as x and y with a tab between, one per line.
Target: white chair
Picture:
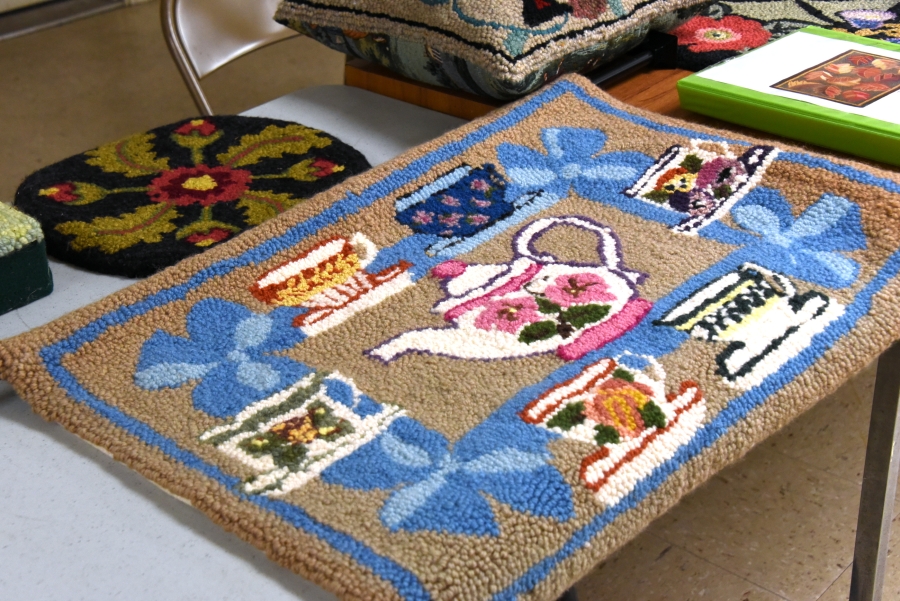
204	35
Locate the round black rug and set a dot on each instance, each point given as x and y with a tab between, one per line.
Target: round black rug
137	205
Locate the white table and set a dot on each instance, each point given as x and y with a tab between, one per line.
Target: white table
74	523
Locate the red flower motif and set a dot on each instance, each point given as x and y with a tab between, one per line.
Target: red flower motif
324	168
508	315
588	9
209	238
201	126
573	288
705	34
60	192
617	403
199	185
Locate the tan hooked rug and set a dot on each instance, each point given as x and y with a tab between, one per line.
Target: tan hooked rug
475	371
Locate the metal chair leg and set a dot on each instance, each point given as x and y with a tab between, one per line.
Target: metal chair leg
180	54
879	486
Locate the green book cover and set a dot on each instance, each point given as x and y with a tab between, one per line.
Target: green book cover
837	90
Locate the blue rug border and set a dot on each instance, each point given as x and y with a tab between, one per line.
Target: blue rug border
407	584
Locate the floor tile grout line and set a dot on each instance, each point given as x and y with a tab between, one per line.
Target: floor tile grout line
856	395
896	510
895	531
828	588
815	467
724	569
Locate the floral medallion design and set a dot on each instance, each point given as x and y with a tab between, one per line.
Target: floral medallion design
330	283
627	414
199	185
761	316
535	304
144	202
573	161
703	34
290	437
702	181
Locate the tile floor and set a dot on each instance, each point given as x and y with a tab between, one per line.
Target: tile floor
779	525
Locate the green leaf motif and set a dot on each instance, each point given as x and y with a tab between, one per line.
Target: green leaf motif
568	417
605	434
112	234
132	156
87	194
692	163
262	205
623	374
653	415
286	442
272	142
204	226
541	330
282	453
547	306
657	196
195	143
581	315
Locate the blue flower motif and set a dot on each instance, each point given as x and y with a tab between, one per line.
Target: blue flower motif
573	160
228	349
443	490
809	245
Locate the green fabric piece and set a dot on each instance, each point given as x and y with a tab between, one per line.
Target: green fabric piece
26	276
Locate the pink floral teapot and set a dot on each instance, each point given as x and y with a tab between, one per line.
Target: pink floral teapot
532	305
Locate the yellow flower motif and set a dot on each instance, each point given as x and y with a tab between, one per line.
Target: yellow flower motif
203	183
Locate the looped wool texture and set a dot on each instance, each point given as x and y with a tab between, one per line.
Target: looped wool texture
17	230
142	203
726	28
476	370
509	39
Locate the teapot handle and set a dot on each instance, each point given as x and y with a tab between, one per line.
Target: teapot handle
608	247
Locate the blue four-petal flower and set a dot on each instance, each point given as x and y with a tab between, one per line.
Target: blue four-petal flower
808	246
573	161
229	349
443	490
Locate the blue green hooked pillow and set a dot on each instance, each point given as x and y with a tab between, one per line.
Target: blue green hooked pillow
498	48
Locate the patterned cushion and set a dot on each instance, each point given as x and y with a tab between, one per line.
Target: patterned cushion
139	204
727	28
17	230
499	48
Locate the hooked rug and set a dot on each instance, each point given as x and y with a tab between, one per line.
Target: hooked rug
475	371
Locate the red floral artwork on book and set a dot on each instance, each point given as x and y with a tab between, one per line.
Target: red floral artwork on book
852	77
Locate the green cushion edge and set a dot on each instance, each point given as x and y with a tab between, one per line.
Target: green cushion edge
26	276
